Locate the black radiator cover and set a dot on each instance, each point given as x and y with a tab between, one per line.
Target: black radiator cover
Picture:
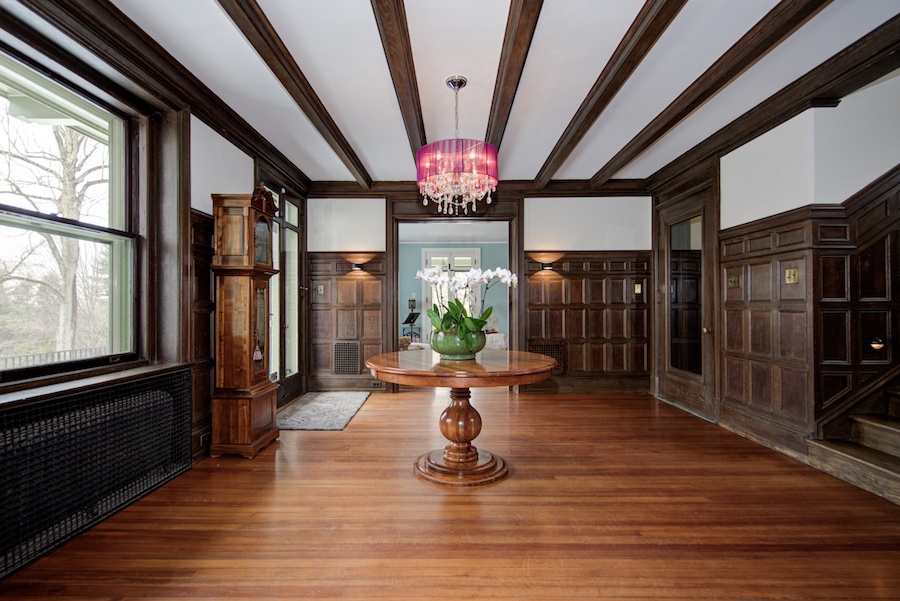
68	462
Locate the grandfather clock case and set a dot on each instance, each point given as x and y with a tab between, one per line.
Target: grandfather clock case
244	401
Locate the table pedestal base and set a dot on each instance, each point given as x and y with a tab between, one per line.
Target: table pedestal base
487	468
460	463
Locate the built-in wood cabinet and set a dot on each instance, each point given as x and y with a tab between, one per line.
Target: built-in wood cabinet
244	401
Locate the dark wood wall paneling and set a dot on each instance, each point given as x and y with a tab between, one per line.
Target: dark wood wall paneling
588	313
202	293
345	307
768	357
803	293
859	273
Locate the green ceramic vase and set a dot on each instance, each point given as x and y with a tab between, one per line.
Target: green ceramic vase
451	348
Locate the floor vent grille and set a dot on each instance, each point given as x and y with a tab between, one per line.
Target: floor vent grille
556	351
346	358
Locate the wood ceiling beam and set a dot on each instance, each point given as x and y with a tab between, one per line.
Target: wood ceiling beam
771	30
390	15
556	188
256	27
648	26
102	29
520	26
857	65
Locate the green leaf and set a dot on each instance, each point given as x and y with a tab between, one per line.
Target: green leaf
462	330
449	323
487	313
469	340
435	318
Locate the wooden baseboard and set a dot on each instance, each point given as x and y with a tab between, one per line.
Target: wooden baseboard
591	384
323	383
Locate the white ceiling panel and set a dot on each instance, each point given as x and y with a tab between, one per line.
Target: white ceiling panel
204	39
702	31
572	44
338	48
462	37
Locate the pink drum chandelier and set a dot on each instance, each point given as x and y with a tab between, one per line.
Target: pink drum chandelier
459	172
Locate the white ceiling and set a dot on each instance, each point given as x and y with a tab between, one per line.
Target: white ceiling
337	46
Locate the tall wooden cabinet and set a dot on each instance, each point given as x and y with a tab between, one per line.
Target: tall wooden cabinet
244	401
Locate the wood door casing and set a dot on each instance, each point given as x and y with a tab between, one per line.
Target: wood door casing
693	274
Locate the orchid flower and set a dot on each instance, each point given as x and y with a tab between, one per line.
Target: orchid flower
449	316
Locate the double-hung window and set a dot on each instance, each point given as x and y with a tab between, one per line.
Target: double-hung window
67	252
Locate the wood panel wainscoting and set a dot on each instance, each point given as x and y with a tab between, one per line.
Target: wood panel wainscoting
610	497
590	313
346	320
803	293
201	326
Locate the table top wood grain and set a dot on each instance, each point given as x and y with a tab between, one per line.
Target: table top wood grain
424	367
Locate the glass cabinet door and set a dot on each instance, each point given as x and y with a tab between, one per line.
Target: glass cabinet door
260	338
262	241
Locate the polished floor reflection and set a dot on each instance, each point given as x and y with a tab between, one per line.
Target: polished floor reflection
608	497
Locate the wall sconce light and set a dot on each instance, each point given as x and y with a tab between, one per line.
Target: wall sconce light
876	342
357	260
545	259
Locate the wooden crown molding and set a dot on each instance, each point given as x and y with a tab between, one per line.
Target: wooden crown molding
556	188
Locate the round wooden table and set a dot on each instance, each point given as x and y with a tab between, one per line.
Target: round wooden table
460	463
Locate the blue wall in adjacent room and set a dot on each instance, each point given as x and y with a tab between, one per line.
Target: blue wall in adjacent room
410	261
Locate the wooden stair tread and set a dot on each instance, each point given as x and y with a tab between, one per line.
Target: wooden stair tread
851	450
877	419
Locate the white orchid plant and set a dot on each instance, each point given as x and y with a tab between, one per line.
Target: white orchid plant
450	315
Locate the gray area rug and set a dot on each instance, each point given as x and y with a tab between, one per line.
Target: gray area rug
321	411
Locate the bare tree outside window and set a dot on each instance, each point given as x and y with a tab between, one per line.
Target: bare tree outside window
54	285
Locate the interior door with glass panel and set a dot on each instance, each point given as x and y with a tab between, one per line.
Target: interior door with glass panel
451	260
685	305
285	344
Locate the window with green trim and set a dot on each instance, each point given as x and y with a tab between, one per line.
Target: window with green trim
67	253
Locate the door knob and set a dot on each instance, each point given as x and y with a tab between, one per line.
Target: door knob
707	330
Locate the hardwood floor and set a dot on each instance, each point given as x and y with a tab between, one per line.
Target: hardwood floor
609	497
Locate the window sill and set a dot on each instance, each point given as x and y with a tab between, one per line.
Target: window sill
35	390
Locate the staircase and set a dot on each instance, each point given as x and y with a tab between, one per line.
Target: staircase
870	459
